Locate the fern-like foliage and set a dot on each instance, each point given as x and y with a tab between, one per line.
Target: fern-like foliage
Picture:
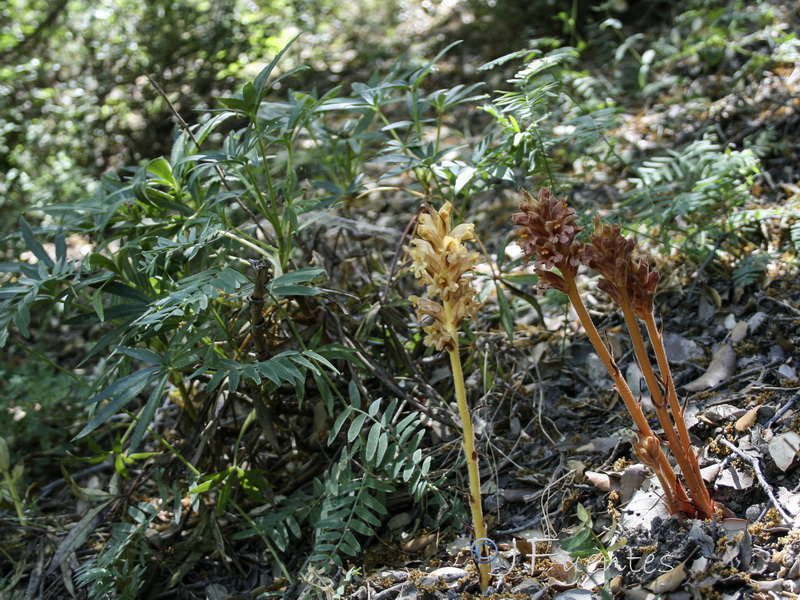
354	499
554	110
781	220
689	197
352	504
794	234
116	571
349	501
751	267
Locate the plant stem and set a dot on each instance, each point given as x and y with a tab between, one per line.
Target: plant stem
15	499
49	362
673	490
691	471
476	508
680	450
244	242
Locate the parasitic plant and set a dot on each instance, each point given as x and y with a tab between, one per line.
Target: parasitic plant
443	263
547	231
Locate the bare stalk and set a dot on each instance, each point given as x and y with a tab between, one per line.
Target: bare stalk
468	440
683	453
654	457
257	323
682	448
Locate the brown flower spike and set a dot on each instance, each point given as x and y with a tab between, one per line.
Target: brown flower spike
547	233
612	258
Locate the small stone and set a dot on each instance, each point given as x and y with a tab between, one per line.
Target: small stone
755	322
753	512
770	585
409	592
526	587
776	353
595	368
680	349
393	576
445	574
721	413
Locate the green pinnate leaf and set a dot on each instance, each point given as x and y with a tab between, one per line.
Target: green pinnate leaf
355	426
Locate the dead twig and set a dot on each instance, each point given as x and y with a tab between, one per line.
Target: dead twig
782	410
743	375
761	480
257	323
785	305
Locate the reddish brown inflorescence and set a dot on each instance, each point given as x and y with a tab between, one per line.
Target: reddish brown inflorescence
624	279
547	231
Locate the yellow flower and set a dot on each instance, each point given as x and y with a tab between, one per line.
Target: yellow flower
443	263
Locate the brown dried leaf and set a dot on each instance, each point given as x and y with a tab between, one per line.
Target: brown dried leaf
524	547
747	420
710	472
710	301
418	544
722	367
739	332
599	480
632	479
669	581
562	577
600	444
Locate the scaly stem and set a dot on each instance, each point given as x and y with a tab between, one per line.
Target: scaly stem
673	490
691	472
682	452
476	508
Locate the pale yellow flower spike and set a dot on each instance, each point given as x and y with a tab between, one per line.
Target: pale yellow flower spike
443	264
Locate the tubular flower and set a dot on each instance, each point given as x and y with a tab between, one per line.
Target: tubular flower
612	258
443	263
643	284
547	231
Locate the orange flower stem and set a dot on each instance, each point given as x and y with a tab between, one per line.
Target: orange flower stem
680	451
657	342
468	438
673	490
694	479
